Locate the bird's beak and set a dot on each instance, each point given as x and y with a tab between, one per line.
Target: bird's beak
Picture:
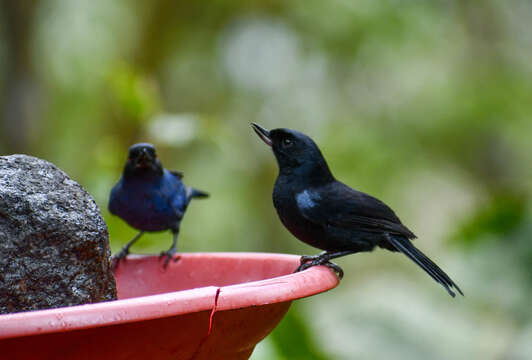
144	159
263	133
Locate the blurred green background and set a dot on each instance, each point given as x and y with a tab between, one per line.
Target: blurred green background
424	104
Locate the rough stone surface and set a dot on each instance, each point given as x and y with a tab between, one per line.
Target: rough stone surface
54	244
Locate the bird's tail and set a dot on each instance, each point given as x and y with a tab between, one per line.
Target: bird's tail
406	247
195	193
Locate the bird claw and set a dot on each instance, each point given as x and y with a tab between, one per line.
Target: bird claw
116	258
310	261
306	258
337	269
169	255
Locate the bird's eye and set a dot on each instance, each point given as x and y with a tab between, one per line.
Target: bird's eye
287	142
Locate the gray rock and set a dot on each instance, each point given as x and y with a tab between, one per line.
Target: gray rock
54	244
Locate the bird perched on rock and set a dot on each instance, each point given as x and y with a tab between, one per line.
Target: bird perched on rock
150	198
329	215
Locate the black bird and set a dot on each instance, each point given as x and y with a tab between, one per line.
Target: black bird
150	198
329	215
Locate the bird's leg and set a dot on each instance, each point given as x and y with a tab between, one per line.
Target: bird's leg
307	258
338	254
325	255
324	259
125	251
171	253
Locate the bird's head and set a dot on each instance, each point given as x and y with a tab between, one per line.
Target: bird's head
142	159
295	152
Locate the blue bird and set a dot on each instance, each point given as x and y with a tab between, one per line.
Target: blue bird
150	198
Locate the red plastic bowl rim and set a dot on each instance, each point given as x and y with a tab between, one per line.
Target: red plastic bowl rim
273	290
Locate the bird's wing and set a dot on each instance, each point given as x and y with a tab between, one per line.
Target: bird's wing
178	174
337	204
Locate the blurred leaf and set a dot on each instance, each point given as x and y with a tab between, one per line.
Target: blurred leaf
499	218
293	338
133	96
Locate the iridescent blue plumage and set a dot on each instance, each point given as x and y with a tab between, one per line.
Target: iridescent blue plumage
153	204
149	197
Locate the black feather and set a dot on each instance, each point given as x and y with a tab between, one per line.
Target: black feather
197	194
406	247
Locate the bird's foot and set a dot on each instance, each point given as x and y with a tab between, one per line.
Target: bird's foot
116	258
168	255
316	260
308	258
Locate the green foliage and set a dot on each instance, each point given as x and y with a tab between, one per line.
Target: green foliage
293	340
498	219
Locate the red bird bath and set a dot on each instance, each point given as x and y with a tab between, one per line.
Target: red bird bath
205	306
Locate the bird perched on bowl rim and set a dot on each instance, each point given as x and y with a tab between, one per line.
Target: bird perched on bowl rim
150	198
327	214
